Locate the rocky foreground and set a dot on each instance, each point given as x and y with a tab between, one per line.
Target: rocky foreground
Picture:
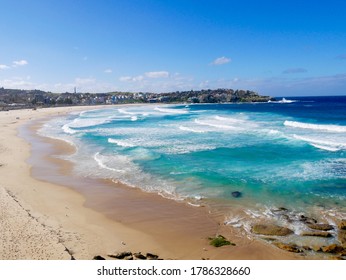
277	235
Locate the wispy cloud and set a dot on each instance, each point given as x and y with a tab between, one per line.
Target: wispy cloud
221	60
108	71
131	79
3	67
17	63
145	76
125	78
294	71
157	74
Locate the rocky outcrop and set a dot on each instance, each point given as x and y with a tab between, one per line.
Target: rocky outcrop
121	255
342	225
333	249
342	237
265	229
324	227
151	256
307	220
317	234
99	258
288	247
126	255
139	256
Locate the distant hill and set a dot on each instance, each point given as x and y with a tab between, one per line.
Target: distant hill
17	98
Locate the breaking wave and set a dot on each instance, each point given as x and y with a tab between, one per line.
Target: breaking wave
325	127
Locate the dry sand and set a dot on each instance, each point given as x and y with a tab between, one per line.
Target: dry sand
71	218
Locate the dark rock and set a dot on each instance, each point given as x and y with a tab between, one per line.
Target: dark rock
307	248
152	256
99	258
307	220
320	226
282	213
121	255
128	258
280	209
342	224
271	230
317	234
288	247
236	194
333	249
269	239
139	256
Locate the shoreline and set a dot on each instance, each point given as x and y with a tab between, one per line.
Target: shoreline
86	227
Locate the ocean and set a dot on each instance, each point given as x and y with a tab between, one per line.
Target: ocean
277	161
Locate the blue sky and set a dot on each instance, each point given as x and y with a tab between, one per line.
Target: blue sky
277	48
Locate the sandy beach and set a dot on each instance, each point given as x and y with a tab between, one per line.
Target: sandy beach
75	218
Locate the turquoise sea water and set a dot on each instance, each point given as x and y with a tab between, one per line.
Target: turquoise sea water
290	153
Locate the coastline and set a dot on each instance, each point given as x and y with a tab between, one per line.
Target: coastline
84	222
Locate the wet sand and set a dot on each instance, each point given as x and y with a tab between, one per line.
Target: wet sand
86	217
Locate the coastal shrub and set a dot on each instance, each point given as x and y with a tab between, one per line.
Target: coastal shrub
219	241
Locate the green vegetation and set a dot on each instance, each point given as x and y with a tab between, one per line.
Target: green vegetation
219	241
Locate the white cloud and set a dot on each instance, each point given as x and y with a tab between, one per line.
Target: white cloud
221	60
157	74
131	79
138	78
17	83
108	71
145	77
125	79
19	63
3	67
85	81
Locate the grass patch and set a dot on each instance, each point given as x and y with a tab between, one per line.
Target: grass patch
219	241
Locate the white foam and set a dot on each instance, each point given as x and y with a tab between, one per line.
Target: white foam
68	130
125	112
322	143
330	128
284	100
229	120
101	162
274	132
121	143
327	148
216	125
86	122
171	111
184	128
134	118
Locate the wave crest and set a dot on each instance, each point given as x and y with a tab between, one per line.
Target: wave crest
325	127
121	143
